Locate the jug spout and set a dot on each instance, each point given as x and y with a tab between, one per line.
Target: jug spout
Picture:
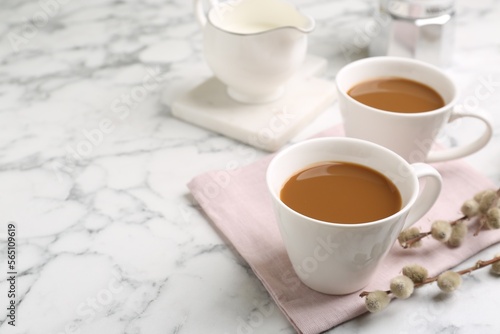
259	16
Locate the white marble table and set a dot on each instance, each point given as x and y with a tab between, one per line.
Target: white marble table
93	172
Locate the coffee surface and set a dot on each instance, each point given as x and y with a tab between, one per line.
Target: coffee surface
341	192
397	95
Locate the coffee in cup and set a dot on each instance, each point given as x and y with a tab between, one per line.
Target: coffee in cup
397	95
341	192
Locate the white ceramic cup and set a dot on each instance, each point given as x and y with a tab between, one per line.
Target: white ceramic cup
411	135
341	258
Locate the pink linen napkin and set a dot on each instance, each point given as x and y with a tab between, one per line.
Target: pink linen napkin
241	208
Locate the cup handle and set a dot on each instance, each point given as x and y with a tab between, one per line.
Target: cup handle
466	149
428	195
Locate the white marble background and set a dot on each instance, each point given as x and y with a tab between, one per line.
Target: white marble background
93	171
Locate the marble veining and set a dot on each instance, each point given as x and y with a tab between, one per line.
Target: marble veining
93	172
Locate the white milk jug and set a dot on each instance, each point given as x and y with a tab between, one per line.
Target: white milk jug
254	46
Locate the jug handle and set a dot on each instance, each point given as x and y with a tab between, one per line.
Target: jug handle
199	11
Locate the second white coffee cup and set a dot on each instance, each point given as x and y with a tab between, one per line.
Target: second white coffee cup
411	135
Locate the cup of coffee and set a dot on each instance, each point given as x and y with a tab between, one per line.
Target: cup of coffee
402	104
341	203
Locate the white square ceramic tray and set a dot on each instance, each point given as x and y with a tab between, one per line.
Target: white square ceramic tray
266	126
